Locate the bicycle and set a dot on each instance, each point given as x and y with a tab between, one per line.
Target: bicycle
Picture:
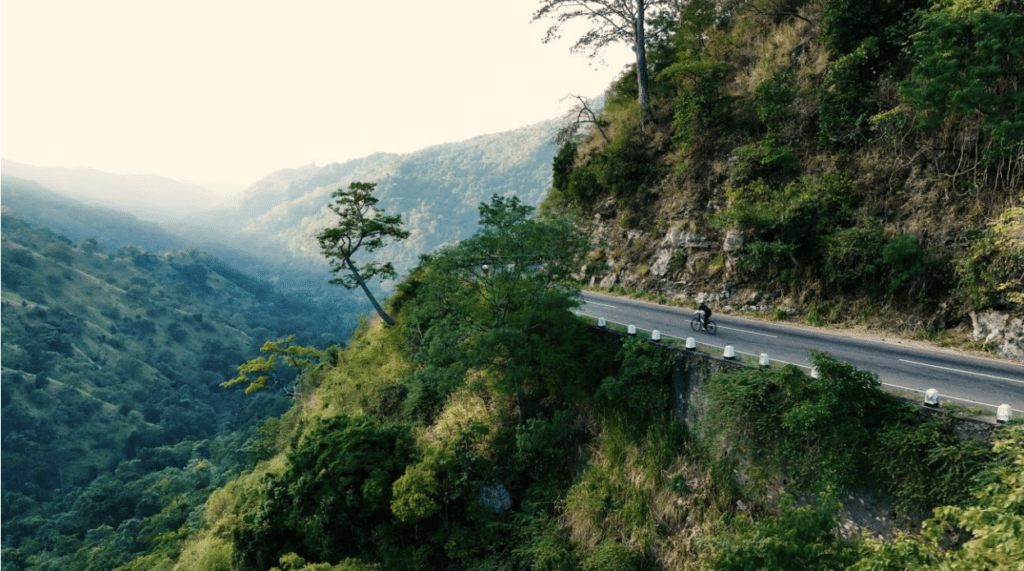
697	323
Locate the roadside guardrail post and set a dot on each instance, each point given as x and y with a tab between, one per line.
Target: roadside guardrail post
931	398
656	335
601	322
1004	414
764	360
729	352
691	344
631	330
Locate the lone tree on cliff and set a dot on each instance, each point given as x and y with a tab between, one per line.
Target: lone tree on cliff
630	21
360	226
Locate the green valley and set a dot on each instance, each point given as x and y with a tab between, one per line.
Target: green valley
111	372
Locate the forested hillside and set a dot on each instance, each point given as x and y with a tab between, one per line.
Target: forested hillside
490	428
111	373
837	160
114	229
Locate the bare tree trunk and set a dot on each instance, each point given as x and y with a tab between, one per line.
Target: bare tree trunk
641	59
376	306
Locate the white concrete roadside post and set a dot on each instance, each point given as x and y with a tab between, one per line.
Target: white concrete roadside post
1004	413
931	398
729	352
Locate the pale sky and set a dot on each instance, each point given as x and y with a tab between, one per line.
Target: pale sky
232	90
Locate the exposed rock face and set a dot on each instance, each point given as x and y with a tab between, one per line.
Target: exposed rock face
733	241
659	265
1004	330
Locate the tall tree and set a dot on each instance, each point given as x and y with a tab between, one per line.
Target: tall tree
632	21
361	226
507	292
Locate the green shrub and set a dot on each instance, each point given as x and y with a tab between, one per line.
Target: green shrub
773	100
906	260
332	501
992	272
643	384
701	104
815	430
582	185
798	539
612	556
853	255
562	166
925	464
765	159
766	262
842	99
847	23
626	165
543	545
790	225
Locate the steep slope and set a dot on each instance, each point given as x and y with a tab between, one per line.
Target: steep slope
106	355
490	428
818	158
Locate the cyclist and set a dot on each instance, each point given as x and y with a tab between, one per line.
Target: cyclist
705	312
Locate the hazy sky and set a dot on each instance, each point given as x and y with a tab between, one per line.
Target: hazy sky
232	90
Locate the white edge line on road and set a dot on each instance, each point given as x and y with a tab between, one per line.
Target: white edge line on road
748	332
947	396
964	372
596	303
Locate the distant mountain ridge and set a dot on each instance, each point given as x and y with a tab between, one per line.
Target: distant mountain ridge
436	190
148	196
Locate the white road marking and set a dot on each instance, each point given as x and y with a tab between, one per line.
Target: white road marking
748	332
964	372
604	304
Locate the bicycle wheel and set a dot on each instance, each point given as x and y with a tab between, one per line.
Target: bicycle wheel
712	328
695	323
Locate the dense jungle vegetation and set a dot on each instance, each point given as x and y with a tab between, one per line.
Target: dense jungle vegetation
833	156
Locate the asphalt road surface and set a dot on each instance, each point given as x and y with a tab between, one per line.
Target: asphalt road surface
961	379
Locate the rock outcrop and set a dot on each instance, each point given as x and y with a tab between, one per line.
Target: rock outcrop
1004	331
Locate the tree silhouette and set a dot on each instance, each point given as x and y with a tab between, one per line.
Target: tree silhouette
361	226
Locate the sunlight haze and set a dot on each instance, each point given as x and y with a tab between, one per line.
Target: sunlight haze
222	93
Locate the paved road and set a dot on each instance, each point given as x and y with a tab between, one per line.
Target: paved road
959	378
